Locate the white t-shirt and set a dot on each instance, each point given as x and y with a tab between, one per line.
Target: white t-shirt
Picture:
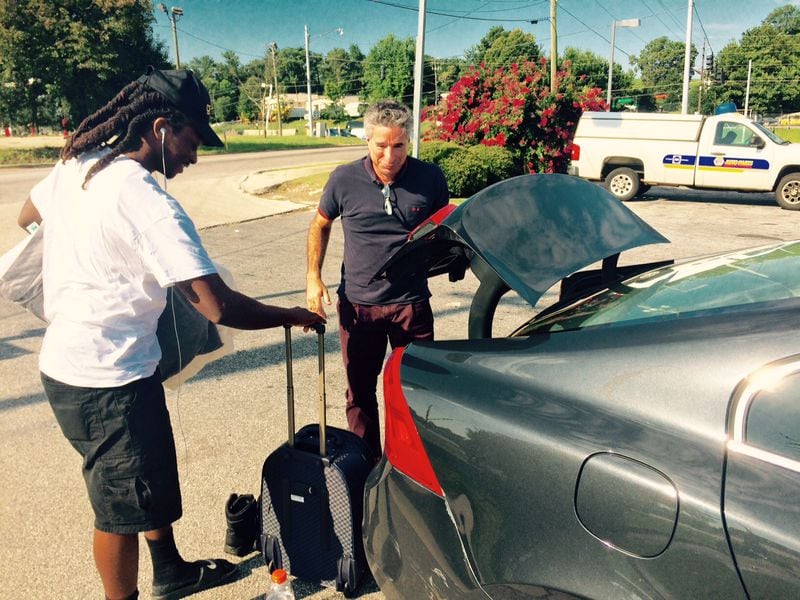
109	253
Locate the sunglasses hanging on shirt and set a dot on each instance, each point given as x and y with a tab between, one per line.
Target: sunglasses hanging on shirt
387	202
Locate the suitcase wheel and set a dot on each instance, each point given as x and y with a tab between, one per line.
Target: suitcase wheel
346	577
271	550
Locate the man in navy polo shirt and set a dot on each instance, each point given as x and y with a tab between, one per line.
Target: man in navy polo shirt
380	199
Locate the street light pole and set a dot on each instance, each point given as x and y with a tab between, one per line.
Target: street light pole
338	30
174	14
553	44
264	105
747	92
273	47
687	58
614	24
418	59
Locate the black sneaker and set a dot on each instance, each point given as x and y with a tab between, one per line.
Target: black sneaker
241	513
206	574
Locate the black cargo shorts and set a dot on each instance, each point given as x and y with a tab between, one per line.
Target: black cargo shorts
125	438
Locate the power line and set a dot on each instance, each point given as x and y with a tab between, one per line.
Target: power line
443	14
210	43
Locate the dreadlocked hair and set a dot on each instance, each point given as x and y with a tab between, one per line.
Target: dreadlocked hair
120	125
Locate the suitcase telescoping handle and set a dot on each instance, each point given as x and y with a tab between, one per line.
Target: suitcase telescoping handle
320	329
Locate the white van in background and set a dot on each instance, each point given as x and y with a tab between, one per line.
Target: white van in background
356	128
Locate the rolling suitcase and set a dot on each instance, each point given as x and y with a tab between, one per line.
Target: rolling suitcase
312	497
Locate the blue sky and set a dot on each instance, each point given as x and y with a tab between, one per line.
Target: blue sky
247	26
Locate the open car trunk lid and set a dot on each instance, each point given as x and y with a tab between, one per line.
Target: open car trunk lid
525	233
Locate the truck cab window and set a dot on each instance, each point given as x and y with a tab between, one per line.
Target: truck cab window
726	134
733	134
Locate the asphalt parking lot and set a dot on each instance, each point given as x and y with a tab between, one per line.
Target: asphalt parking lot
231	415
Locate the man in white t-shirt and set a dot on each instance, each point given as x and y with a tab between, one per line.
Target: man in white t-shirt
114	242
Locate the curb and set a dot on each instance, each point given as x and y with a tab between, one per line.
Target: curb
262	182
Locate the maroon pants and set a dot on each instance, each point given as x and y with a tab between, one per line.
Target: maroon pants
363	331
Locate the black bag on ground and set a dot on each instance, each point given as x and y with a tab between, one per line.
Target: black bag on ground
312	497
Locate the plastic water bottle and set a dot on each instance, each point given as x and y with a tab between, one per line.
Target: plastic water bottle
281	587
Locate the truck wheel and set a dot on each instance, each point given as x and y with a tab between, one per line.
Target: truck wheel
623	183
788	192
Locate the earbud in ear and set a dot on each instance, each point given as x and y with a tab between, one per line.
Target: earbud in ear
163	132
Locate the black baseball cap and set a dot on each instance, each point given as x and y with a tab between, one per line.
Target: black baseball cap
188	94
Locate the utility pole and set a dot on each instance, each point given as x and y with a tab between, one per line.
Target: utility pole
687	59
174	14
553	44
436	89
702	77
273	46
338	30
614	25
747	93
264	113
308	86
418	60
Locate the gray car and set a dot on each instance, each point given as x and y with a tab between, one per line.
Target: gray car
640	438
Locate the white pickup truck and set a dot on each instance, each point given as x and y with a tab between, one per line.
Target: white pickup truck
632	151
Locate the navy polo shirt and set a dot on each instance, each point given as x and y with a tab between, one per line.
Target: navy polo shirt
355	194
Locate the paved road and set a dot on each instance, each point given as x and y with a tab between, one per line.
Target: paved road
233	413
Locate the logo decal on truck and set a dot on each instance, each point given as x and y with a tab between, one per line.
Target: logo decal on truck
714	163
732	165
679	161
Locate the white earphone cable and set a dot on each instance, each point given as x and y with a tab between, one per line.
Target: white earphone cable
163	160
175	327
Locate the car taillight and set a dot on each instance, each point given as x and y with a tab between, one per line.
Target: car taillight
576	152
431	222
403	445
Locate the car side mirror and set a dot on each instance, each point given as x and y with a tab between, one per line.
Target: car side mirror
757	142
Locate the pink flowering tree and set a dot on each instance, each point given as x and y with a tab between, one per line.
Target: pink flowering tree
515	108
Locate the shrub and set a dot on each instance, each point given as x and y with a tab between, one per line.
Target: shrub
469	169
435	152
499	162
334	112
465	173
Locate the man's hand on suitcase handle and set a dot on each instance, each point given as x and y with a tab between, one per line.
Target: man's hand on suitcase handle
318	327
307	319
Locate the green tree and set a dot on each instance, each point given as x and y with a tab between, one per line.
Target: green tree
476	54
315	63
785	19
447	71
251	100
341	72
501	48
292	69
203	66
72	55
231	67
775	76
355	70
335	73
661	64
593	69
222	80
389	70
514	47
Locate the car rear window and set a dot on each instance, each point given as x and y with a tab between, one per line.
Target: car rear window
719	282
